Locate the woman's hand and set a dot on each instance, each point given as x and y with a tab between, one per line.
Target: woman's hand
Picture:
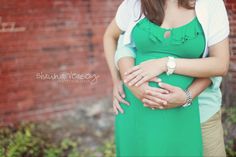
118	97
144	72
139	91
154	99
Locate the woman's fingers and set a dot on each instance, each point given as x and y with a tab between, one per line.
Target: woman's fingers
135	68
148	78
145	78
167	86
158	95
131	76
156	89
135	80
151	104
155	79
155	100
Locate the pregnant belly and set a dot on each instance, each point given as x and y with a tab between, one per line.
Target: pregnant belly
181	81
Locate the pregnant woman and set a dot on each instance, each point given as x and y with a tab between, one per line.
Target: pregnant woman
165	32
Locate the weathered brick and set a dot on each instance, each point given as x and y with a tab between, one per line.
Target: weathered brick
52	37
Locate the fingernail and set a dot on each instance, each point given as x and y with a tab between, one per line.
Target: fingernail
159	80
136	85
164	102
123	96
161	107
125	81
160	84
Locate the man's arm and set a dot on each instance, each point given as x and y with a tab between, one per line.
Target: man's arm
176	97
198	86
124	64
110	39
110	45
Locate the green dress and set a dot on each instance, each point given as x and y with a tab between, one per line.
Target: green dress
176	132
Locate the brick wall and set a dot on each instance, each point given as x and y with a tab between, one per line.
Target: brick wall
53	37
48	37
229	84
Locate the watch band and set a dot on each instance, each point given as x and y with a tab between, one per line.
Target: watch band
170	65
189	98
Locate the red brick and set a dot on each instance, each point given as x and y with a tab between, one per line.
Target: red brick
59	36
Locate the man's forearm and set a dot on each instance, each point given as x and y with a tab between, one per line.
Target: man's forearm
109	49
198	86
124	64
110	39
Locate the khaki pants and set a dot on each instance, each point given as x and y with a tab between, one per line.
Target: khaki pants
212	136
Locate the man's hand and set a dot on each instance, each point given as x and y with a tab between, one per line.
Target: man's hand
118	96
154	99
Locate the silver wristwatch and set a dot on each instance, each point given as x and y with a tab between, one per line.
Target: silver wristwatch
170	65
189	98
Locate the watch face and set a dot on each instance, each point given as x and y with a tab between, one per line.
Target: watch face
171	64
